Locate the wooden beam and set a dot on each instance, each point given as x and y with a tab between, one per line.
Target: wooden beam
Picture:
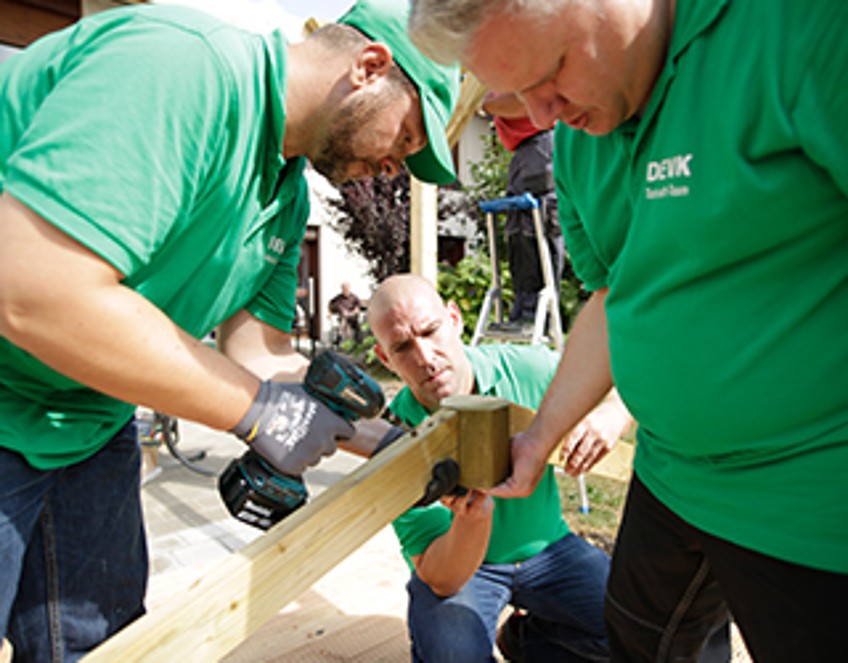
484	433
224	607
470	96
424	232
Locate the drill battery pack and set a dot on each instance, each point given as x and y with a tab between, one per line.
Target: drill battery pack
257	495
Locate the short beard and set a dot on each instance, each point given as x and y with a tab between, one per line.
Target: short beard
336	154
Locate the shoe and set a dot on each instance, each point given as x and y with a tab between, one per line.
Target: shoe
509	637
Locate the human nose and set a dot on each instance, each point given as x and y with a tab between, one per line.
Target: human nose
544	105
389	167
424	354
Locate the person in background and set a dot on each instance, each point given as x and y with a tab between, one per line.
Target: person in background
472	555
530	171
348	308
133	225
700	162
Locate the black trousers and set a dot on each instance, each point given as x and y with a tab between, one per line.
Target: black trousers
672	585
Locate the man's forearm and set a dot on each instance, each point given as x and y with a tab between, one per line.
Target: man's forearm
66	306
451	560
582	379
265	351
369	433
147	361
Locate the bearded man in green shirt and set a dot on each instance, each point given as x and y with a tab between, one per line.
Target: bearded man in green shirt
700	162
472	555
151	170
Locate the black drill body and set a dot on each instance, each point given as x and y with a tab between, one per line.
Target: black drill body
256	493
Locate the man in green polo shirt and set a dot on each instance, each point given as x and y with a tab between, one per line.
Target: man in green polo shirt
701	162
151	171
473	555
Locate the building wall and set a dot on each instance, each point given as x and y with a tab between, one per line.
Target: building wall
471	146
337	263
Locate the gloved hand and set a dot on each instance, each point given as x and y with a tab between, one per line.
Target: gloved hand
289	428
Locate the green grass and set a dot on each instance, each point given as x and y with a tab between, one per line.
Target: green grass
606	501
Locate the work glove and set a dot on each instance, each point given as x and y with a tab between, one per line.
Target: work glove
290	429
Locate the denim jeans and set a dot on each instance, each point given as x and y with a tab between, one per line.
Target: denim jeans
672	585
562	588
73	555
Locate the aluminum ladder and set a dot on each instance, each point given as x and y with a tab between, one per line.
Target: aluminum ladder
547	305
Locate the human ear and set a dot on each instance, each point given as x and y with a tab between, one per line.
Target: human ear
371	64
455	314
381	355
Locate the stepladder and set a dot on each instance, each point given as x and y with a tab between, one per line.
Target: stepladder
547	325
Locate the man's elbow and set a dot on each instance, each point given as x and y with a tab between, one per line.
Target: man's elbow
441	585
443	589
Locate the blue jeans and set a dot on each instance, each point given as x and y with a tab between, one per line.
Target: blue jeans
73	555
562	588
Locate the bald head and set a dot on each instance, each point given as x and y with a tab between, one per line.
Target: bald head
398	290
419	337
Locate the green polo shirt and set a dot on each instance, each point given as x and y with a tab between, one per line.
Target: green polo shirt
520	527
719	221
151	135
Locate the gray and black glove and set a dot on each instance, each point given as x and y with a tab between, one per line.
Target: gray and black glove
289	428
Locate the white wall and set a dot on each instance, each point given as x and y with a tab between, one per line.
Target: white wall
338	264
471	146
258	15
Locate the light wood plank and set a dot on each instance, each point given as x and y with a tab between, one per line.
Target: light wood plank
224	607
484	451
470	96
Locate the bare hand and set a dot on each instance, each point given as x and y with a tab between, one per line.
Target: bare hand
474	505
528	465
595	436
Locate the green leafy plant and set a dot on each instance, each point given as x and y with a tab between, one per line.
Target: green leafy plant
489	175
466	285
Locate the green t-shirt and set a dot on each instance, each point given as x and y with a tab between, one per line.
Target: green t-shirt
520	527
153	136
719	221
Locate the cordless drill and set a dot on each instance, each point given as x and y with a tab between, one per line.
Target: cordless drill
256	493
